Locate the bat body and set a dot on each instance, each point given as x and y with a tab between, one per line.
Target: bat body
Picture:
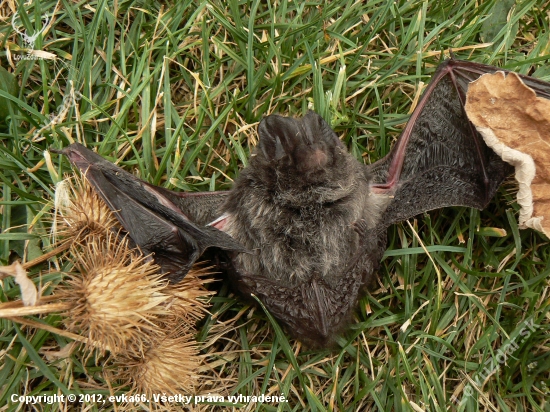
304	206
304	227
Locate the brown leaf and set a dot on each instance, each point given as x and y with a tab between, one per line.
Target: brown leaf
64	352
515	123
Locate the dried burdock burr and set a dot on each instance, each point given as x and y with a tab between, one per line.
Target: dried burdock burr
116	294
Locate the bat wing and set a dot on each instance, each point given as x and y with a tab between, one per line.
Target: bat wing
168	224
440	159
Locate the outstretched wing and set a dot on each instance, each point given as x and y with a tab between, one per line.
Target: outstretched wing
440	159
168	224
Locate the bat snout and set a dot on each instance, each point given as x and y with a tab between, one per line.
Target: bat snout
311	158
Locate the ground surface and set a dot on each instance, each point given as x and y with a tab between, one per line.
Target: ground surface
174	91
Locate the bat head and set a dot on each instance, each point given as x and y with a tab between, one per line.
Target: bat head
301	154
307	143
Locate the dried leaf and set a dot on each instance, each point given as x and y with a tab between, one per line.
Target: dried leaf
515	123
64	352
29	294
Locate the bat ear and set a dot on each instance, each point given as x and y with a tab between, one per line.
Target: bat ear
317	128
278	136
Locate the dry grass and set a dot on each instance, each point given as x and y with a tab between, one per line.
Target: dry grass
174	92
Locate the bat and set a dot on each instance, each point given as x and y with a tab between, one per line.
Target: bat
304	226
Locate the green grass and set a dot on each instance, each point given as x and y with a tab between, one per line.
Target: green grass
174	93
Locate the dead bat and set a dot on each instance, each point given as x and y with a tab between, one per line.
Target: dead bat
304	226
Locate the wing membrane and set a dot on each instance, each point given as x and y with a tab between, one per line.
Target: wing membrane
440	159
153	216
